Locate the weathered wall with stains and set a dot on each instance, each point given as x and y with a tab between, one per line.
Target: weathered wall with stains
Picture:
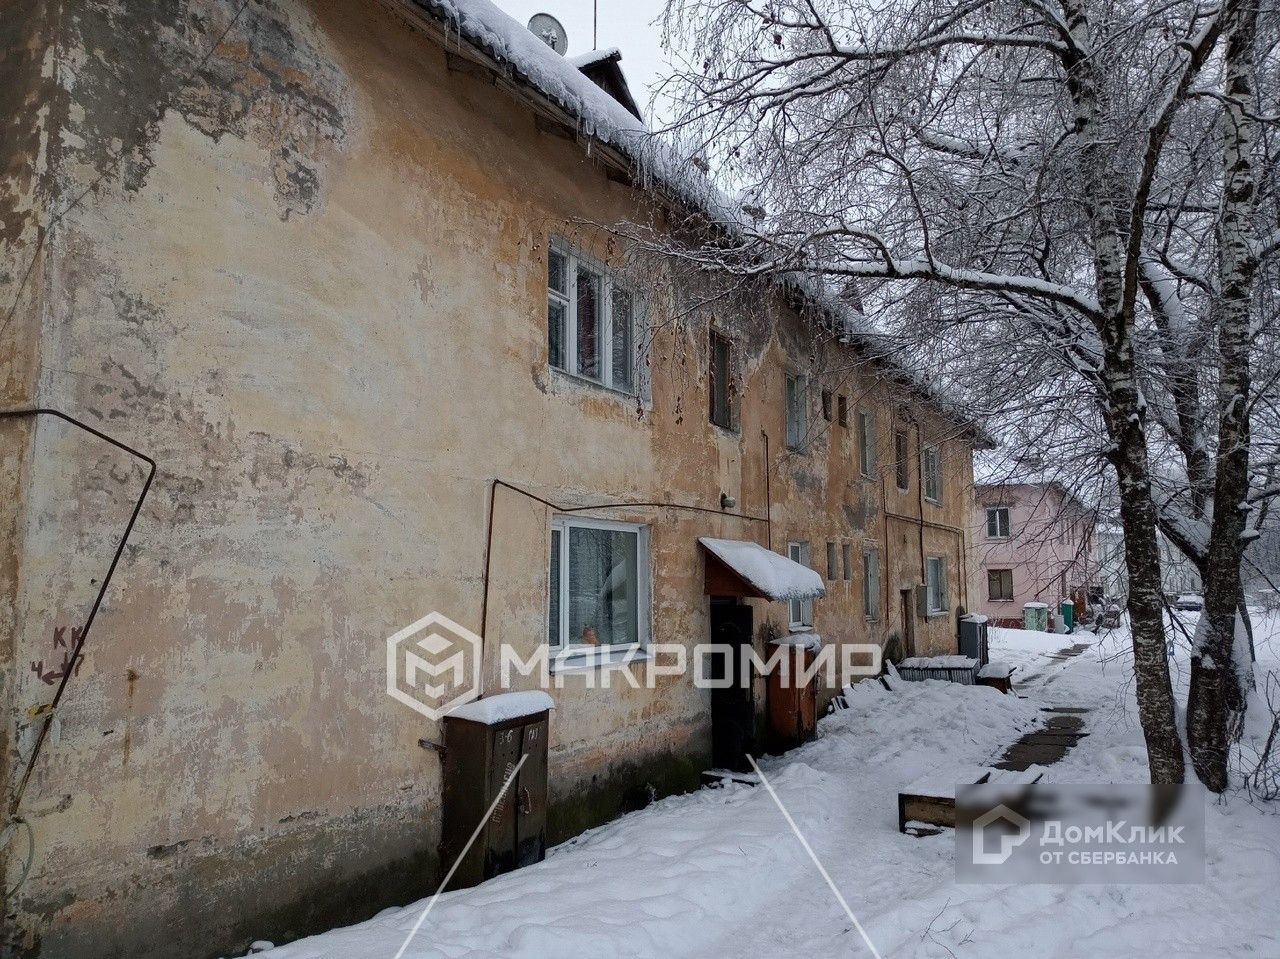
309	279
26	102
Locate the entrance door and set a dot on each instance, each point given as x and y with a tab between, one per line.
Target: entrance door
908	622
733	714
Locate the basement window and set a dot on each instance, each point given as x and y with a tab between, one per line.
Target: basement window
591	320
598	585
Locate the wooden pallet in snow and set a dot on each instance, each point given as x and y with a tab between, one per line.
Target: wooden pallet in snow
929	803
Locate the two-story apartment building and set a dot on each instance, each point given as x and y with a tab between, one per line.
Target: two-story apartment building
338	269
1034	542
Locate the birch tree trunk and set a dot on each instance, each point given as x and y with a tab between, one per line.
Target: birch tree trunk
1123	409
1217	697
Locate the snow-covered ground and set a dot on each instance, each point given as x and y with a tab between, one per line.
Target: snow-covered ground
719	872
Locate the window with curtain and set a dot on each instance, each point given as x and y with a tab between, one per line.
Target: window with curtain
997	522
597	584
591	321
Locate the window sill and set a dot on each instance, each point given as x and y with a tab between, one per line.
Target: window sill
728	432
933	502
585	382
584	660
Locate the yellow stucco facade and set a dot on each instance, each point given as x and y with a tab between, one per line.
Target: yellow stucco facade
314	290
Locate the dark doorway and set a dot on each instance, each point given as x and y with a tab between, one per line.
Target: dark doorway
733	714
908	622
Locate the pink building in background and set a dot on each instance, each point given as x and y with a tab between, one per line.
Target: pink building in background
1033	542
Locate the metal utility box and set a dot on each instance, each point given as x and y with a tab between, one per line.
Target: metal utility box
1035	616
1068	611
973	638
479	755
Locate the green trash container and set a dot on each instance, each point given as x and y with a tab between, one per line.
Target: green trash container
1036	616
1068	610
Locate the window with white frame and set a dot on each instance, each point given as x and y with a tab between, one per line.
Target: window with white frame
871	583
997	522
800	611
866	444
591	321
931	465
598	584
797	411
936	571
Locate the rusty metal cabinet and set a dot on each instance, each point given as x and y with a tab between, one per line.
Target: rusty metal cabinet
478	758
792	705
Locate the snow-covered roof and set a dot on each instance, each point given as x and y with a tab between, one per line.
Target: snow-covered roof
558	78
504	706
771	573
562	81
583	60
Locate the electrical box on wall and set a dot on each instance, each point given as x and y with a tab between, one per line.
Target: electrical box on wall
484	743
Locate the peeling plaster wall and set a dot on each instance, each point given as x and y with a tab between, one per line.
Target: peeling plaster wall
308	278
26	117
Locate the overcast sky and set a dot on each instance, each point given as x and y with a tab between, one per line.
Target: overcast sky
628	25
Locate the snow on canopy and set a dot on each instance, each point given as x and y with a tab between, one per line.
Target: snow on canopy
504	706
771	573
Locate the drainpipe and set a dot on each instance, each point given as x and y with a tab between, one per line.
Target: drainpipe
924	572
768	494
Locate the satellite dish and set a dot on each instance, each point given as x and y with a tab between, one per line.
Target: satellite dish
548	29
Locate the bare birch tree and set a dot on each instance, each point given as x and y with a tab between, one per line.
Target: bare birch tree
1089	180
